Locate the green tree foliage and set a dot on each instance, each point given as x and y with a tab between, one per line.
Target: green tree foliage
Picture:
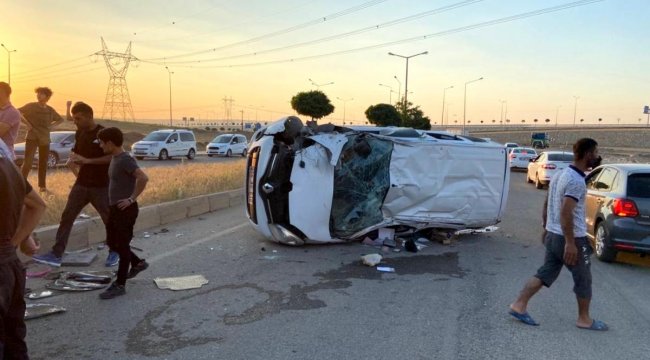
414	117
312	103
383	115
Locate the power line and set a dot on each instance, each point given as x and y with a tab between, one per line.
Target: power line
57	75
53	65
46	74
412	39
280	32
339	36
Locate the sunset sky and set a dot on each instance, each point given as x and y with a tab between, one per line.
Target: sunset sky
261	53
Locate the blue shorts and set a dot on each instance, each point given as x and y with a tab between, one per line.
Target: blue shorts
554	261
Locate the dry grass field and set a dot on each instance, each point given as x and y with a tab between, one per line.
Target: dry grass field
165	184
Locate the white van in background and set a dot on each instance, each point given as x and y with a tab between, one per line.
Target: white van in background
165	144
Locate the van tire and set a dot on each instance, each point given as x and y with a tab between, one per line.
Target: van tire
243	153
164	155
139	157
191	154
229	153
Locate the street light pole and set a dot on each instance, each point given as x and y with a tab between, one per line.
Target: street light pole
399	89
345	101
170	95
406	82
557	112
575	109
318	86
390	93
444	92
465	100
8	62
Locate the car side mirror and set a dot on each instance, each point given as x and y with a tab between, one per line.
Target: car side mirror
66	143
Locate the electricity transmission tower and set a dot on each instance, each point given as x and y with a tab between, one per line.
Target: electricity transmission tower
118	102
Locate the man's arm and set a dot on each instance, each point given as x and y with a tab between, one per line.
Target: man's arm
4	128
24	120
72	166
566	221
80	160
141	180
68	115
33	209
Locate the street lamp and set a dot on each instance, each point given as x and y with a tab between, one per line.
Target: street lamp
170	95
8	62
444	92
575	109
390	93
406	82
399	88
557	112
318	86
345	101
503	102
465	100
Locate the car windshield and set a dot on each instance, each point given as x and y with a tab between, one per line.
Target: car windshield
222	139
156	136
560	157
57	137
638	185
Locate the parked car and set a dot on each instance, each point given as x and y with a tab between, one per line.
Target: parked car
61	143
165	144
332	184
542	168
520	157
227	145
618	209
509	146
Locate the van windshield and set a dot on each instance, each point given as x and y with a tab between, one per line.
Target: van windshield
156	136
222	139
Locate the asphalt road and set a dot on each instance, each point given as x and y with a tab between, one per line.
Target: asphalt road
266	301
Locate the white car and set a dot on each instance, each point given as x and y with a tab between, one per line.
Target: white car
227	145
520	157
509	146
165	144
331	184
545	165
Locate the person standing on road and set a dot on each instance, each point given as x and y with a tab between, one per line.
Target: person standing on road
565	238
90	165
127	182
9	119
40	118
21	210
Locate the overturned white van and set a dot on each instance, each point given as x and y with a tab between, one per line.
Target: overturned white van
328	184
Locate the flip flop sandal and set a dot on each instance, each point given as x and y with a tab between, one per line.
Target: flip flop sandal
596	325
524	318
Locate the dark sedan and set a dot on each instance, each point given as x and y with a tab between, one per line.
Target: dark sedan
618	209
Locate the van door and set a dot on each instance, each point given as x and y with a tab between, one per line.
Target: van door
172	144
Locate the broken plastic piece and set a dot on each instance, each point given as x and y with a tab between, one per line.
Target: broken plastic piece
34	311
371	259
38	273
181	282
385	269
80	259
40	295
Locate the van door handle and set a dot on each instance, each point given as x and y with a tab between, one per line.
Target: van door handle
600	200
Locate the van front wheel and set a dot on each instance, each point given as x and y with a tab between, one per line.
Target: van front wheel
164	155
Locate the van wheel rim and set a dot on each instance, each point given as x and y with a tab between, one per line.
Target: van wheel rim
600	240
51	160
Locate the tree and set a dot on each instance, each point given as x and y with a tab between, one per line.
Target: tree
582	120
414	118
523	121
493	121
600	119
312	103
383	115
547	121
535	120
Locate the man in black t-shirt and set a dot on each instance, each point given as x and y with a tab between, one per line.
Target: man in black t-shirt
90	165
20	212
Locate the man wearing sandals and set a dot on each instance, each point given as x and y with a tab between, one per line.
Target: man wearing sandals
565	238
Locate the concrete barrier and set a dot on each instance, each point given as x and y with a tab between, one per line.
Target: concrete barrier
92	231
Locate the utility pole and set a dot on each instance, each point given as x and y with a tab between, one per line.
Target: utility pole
406	82
242	119
318	86
575	109
345	101
170	95
465	101
8	62
444	92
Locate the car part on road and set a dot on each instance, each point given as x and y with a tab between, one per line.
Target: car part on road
40	295
33	311
181	282
78	259
371	259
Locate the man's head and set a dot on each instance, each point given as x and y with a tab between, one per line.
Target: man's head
43	94
585	151
5	92
82	115
110	139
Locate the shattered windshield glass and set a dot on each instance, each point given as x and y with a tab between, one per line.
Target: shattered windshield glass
361	181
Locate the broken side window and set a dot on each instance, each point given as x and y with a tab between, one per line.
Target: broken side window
361	181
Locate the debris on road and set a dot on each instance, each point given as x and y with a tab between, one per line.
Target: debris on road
386	269
39	295
371	259
181	282
78	259
38	273
34	311
164	230
83	216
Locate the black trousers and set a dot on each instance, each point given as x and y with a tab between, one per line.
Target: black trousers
12	311
119	232
79	197
43	153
